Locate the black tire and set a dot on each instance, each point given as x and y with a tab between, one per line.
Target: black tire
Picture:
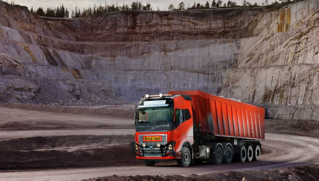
149	163
228	154
217	156
242	154
250	153
257	153
186	158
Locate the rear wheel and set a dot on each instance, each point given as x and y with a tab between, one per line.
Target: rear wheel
186	158
257	153
149	163
228	154
250	153
242	154
217	156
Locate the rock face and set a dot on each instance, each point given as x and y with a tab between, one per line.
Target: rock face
266	58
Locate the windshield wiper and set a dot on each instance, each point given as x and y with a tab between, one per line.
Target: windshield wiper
157	127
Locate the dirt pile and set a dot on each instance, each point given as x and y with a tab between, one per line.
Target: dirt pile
293	173
113	156
65	152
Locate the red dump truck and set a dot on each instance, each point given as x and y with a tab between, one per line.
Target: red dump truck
193	126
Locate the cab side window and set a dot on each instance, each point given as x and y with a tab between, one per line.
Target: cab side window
181	115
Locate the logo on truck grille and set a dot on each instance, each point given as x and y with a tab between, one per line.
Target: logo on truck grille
152	138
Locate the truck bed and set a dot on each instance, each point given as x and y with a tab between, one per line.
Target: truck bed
223	117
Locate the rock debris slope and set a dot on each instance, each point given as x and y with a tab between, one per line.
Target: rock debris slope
267	58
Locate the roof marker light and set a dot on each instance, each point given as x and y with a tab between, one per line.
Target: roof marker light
161	95
147	96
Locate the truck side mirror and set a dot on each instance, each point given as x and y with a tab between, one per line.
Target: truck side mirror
181	116
135	114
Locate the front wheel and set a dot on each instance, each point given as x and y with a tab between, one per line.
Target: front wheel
149	163
186	158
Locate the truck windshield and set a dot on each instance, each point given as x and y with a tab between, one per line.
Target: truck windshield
154	119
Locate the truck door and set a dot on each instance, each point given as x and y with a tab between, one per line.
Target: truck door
184	128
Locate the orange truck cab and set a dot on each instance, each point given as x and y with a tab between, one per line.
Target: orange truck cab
193	126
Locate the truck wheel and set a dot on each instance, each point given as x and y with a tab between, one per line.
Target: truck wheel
228	154
257	153
242	154
149	163
217	157
186	158
250	153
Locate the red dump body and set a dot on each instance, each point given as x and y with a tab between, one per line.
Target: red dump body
226	118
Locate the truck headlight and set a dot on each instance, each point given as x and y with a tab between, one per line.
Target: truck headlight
158	145
143	145
136	147
170	147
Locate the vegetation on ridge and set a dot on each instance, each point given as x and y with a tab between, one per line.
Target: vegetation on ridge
63	12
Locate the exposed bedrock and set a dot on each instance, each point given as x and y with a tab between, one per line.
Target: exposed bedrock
266	58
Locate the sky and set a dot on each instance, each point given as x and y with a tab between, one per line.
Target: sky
70	4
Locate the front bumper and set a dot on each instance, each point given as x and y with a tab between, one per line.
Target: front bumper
163	151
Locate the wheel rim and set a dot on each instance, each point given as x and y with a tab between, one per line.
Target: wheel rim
243	153
257	153
218	156
228	154
186	157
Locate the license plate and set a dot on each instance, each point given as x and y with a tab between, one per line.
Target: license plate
152	138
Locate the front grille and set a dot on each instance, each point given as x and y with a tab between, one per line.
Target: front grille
153	144
148	150
152	153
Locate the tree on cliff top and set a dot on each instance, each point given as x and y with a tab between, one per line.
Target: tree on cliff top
40	12
231	4
50	13
171	7
136	5
244	3
214	4
207	5
147	7
61	11
181	6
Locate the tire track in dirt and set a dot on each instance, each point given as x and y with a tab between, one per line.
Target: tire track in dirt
283	150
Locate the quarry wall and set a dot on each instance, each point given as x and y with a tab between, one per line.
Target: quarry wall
262	57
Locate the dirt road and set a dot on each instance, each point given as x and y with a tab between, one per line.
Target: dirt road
7	135
85	143
283	150
19	119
